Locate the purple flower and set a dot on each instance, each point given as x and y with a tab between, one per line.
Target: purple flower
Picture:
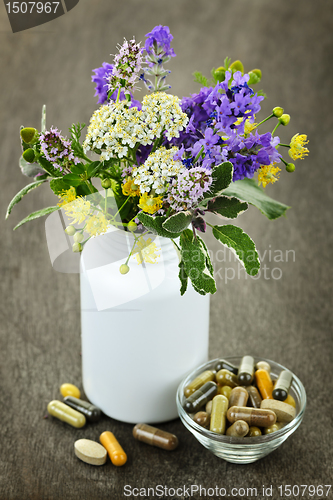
58	150
158	42
100	78
127	67
187	190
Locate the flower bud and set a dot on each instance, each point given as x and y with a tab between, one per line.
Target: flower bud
284	119
290	167
237	66
77	247
132	226
124	269
29	155
70	230
277	111
106	183
255	76
29	135
78	237
219	74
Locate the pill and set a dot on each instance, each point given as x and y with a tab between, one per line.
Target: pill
90	411
155	437
263	365
65	413
202	418
284	413
246	370
225	390
282	385
273	428
222	364
209	407
264	383
200	397
238	397
90	452
224	377
290	401
116	453
254	396
254	431
238	429
218	415
70	390
198	382
253	416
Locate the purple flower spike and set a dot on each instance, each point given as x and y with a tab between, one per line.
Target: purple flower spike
100	78
158	41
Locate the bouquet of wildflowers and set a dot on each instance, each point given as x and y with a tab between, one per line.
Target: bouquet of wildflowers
165	162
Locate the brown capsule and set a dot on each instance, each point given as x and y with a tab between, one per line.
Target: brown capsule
155	437
254	396
224	377
202	418
238	397
264	383
200	397
254	431
238	429
198	382
253	416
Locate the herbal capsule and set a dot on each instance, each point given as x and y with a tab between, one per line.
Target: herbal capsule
290	401
200	397
209	407
116	453
66	414
263	365
91	412
239	429
284	412
264	383
254	431
70	390
238	397
202	418
246	370
155	437
273	428
222	364
218	416
253	416
282	385
225	390
198	382
254	396
224	377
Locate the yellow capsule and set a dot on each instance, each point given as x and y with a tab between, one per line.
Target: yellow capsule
66	414
70	390
253	431
116	453
224	377
218	415
290	401
198	382
225	390
273	428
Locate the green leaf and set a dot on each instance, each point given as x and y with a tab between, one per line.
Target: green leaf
155	225
58	185
183	278
195	263
49	168
72	179
206	252
230	208
36	215
234	237
222	177
200	78
18	197
248	190
77	169
178	222
30	169
93	168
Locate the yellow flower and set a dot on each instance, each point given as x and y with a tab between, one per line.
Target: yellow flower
130	188
248	126
78	209
67	196
96	224
146	251
268	174
297	149
150	204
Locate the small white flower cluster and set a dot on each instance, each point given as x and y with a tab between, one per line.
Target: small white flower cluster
157	171
163	112
114	128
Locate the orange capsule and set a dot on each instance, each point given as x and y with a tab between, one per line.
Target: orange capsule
264	383
116	453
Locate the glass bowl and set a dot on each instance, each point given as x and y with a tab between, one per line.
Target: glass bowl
242	450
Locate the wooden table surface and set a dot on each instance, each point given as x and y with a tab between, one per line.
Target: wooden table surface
287	319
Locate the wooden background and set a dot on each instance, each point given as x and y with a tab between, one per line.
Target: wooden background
287	319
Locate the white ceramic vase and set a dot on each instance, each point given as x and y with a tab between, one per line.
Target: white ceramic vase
140	337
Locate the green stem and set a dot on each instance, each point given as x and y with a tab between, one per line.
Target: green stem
89	186
278	123
285	145
265	120
284	161
115	215
106	201
168	212
199	154
118	95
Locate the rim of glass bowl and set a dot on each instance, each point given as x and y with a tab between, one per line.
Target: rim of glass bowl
297	389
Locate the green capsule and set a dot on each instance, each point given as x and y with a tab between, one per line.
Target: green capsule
200	397
218	415
65	413
198	382
90	411
282	385
246	370
224	377
273	428
222	364
254	431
